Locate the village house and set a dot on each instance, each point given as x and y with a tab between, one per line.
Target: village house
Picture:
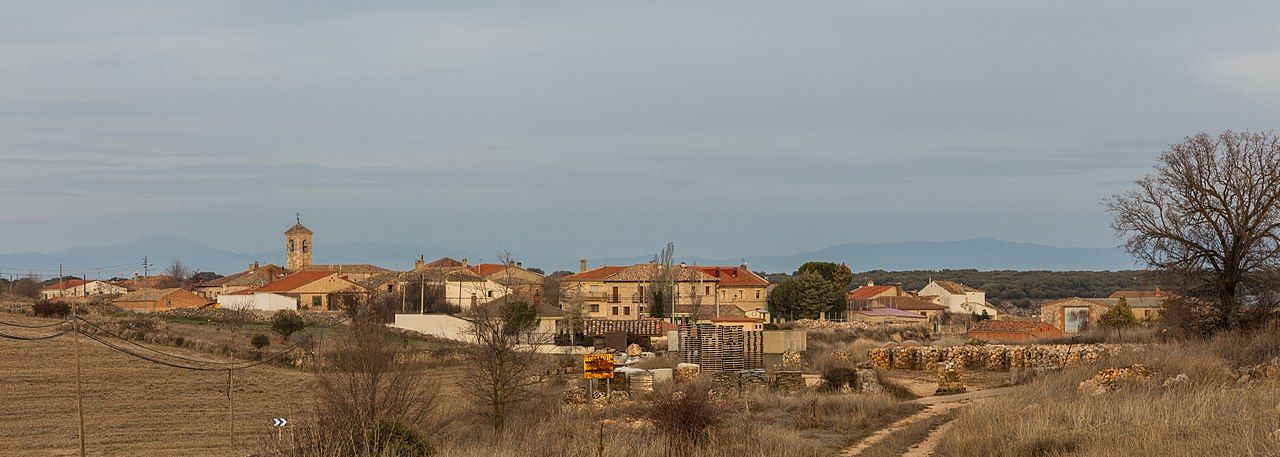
513	276
148	282
924	308
958	298
1146	304
740	287
1072	315
147	300
80	288
1009	331
625	292
255	276
306	290
856	298
460	286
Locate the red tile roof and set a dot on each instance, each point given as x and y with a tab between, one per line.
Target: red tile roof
866	292
486	269
67	284
597	274
294	281
735	276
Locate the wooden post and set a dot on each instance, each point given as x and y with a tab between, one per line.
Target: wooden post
75	336
231	417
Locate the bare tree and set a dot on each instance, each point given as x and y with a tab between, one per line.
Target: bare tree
367	382
662	283
502	365
180	273
1209	214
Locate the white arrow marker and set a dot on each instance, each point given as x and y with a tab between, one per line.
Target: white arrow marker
280	422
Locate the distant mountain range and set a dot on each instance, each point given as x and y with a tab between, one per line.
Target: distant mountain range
981	253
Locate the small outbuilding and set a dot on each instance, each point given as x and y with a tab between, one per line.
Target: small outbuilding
147	300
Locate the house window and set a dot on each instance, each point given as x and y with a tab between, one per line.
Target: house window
614	311
707	291
595	307
757	294
489	294
315	301
626	310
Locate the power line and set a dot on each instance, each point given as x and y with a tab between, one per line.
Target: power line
55	324
36	338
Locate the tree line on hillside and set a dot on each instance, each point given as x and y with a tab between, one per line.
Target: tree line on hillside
1010	285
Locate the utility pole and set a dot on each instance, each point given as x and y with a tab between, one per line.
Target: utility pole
145	271
231	417
75	335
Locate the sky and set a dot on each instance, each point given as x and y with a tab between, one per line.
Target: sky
608	128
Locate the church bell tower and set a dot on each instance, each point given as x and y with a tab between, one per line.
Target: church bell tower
297	246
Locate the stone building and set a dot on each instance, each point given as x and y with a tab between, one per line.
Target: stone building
1072	315
297	252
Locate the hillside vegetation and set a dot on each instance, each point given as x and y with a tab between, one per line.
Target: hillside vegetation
1012	285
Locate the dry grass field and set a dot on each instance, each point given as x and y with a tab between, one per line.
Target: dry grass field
133	407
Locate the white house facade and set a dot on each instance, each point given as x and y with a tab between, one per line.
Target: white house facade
958	298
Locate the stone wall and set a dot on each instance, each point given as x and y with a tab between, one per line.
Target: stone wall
992	357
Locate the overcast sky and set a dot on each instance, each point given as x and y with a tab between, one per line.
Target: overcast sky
590	129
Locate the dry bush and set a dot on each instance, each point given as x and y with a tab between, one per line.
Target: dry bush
370	399
686	414
1209	414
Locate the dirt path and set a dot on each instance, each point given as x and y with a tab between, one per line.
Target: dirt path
925	448
933	406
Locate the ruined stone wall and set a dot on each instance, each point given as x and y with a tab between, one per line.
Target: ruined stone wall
992	357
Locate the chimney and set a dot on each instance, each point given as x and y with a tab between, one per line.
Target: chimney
464	263
253	266
511	263
419	262
681	264
717	272
519	264
582	265
871	282
734	272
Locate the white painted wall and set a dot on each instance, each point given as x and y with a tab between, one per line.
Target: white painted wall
441	325
259	301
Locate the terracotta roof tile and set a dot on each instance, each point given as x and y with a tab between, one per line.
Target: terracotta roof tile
67	284
955	287
596	274
867	292
735	276
294	281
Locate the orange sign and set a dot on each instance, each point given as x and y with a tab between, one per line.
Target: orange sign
597	366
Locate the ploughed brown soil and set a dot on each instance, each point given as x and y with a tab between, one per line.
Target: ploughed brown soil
131	406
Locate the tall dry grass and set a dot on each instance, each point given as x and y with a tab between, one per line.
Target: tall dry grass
1209	414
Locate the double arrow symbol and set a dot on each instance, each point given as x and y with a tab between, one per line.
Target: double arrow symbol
280	422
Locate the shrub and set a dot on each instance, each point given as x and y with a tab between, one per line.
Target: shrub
259	341
48	308
394	438
686	414
839	377
287	322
